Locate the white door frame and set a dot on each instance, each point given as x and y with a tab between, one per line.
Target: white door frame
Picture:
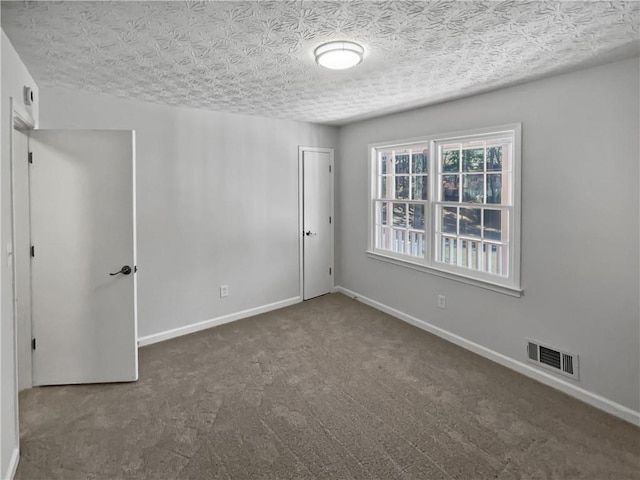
20	119
301	151
24	123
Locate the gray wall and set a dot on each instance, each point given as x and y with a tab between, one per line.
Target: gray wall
579	225
14	77
217	203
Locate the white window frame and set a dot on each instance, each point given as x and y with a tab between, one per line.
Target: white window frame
508	285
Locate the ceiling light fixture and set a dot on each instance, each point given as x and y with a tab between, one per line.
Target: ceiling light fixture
339	55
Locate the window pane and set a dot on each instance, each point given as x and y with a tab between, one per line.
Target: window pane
385	163
494	159
489	257
449	220
449	252
399	214
402	163
499	155
469	253
416	244
384	238
419	162
383	216
398	240
450	188
470	221
402	187
473	160
384	187
419	188
450	160
495	224
494	188
473	188
495	259
416	217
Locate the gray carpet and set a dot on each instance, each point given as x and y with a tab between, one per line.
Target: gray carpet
329	388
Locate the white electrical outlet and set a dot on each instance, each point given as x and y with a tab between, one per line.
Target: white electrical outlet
224	291
442	301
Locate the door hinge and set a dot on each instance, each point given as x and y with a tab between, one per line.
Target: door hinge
33	344
329	220
329	168
329	270
30	157
33	251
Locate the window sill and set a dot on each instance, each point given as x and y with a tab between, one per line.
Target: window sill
513	292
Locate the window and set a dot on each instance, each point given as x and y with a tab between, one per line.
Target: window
401	203
448	204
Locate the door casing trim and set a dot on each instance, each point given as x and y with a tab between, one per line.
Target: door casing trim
21	119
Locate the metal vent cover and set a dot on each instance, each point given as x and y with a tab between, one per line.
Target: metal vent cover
553	359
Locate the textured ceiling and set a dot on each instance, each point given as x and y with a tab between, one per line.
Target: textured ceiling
256	57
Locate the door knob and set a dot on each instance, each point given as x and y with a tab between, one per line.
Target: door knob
126	270
308	233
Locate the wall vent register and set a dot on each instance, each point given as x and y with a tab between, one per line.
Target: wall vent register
553	359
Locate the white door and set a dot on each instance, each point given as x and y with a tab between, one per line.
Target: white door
83	234
21	255
317	166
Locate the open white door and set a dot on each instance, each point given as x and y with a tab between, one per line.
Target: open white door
317	174
83	231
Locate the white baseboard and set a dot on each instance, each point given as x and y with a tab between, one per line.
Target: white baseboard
13	464
586	396
214	322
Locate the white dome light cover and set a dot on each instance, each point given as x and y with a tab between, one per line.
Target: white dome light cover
339	55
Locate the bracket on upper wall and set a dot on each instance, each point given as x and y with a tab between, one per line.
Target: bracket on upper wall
28	95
